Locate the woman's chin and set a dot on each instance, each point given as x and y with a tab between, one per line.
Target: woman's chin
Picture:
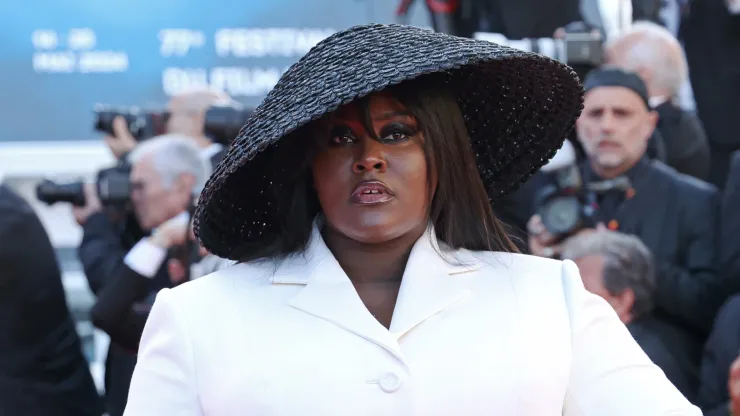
380	233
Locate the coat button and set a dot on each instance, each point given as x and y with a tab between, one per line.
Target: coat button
390	383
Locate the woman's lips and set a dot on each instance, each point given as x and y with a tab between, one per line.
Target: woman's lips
371	193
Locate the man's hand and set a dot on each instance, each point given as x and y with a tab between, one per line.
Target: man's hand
733	6
172	233
122	141
176	270
541	242
92	204
544	244
733	386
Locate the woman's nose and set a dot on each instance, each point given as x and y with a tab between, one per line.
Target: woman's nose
371	159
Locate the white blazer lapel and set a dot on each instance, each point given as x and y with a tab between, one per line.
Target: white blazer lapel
430	284
330	295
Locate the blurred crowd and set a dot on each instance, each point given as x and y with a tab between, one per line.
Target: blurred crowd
642	197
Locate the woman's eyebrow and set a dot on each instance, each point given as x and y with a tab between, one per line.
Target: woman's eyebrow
391	114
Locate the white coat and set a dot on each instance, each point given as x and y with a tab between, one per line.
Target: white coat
475	333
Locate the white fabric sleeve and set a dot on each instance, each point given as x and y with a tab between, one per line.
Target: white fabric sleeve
610	374
164	378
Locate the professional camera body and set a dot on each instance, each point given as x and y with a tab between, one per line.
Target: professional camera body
580	45
222	122
564	206
142	124
113	186
583	45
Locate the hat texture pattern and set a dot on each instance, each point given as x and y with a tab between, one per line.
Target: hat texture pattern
518	108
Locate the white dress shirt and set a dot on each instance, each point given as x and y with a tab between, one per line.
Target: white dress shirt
670	14
475	333
208	152
145	257
733	6
616	16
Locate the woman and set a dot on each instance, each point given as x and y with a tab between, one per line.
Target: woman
374	278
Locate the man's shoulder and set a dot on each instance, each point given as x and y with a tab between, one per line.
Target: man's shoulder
730	310
683	184
12	203
16	214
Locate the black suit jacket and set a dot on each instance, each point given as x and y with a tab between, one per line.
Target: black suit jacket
721	350
686	145
663	343
711	38
117	310
101	252
42	369
730	240
646	10
677	217
515	19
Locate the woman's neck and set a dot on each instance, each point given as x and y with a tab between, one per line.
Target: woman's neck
371	263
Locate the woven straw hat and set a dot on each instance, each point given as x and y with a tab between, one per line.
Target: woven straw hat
518	108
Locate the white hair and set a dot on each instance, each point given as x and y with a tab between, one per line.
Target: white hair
653	46
174	155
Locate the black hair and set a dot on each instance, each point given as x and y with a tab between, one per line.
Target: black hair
461	210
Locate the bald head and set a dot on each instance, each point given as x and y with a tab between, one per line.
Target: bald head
187	113
654	53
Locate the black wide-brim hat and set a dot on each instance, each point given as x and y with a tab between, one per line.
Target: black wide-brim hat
518	108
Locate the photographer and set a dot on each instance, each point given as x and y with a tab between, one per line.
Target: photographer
166	173
656	56
676	216
186	115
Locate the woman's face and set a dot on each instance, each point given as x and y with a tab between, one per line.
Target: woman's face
372	186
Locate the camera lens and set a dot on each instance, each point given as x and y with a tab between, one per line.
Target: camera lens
51	193
561	215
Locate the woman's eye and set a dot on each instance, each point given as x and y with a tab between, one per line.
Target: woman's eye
341	136
397	133
343	139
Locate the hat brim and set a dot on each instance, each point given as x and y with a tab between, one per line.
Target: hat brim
518	108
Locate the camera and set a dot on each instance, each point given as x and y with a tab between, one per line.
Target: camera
113	186
580	46
223	122
142	124
583	45
563	206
